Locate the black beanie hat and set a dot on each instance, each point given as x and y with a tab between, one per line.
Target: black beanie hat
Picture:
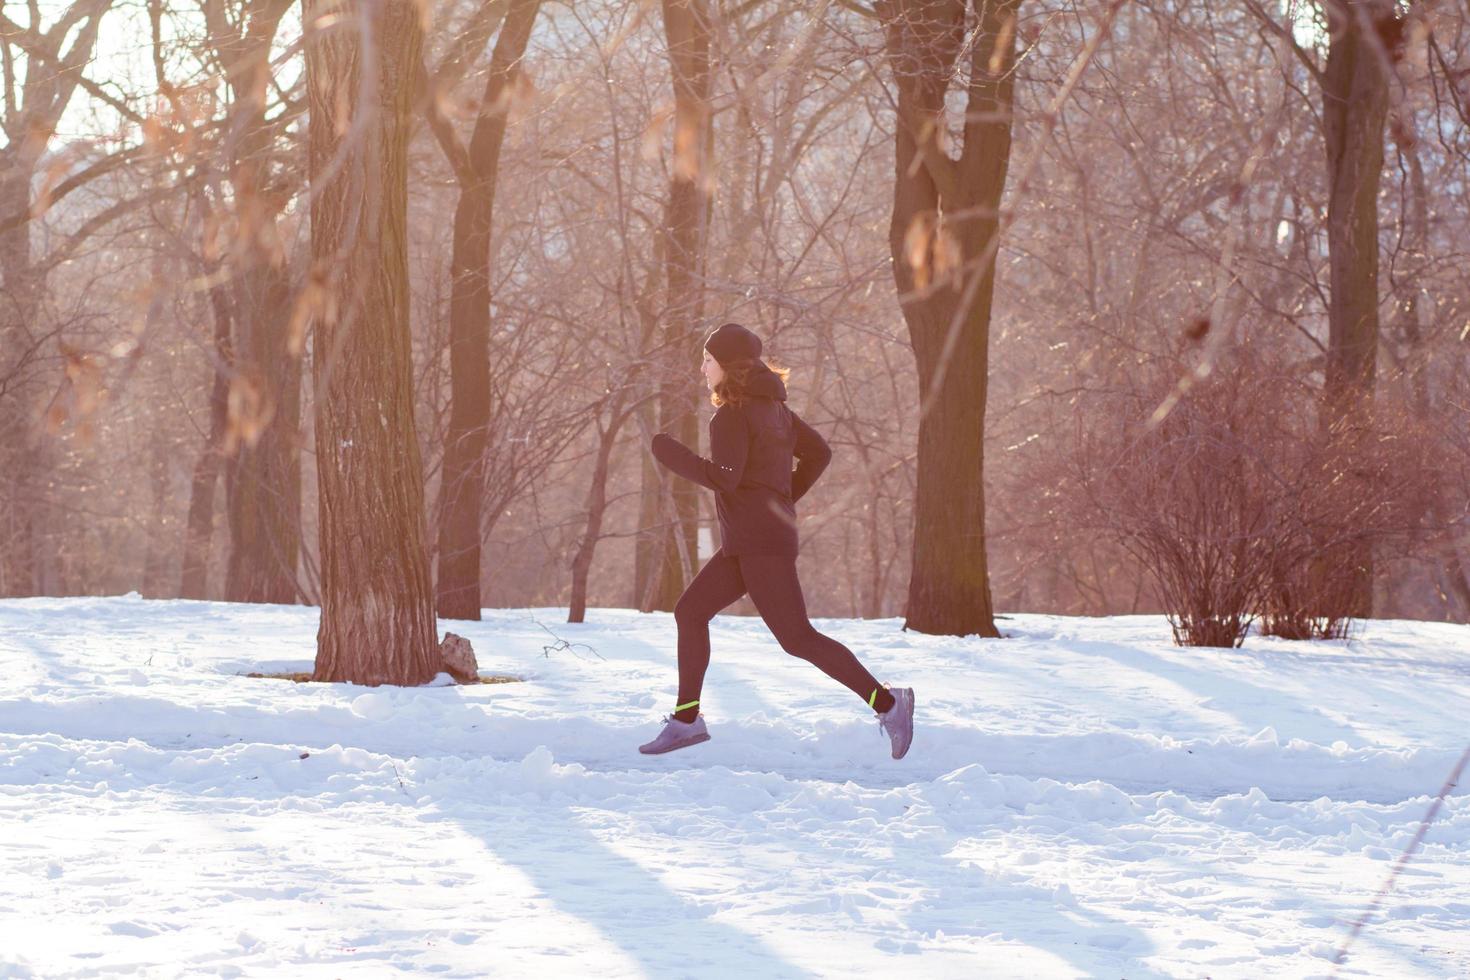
730	341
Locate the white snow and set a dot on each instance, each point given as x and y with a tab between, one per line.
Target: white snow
1082	799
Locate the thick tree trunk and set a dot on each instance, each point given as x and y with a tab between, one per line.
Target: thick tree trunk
949	585
377	621
1354	107
462	485
1355	103
943	206
462	489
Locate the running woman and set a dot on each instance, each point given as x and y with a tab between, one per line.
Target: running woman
753	437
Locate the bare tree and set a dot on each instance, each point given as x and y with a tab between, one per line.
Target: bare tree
377	623
1172	209
476	169
42	67
946	211
666	563
263	480
199	524
1354	83
1354	88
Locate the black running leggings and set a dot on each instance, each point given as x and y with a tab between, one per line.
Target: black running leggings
773	586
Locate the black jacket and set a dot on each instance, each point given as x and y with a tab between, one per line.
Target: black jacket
751	451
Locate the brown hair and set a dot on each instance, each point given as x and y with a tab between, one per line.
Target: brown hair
737	375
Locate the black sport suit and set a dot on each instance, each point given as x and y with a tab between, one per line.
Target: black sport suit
752	447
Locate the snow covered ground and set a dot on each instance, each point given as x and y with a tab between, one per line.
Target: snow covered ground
1082	799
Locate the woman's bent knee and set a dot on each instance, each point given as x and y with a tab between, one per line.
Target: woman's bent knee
689	614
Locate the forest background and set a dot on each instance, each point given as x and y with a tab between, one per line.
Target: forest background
591	186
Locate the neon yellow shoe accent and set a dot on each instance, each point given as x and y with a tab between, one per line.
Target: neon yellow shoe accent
683	706
873	697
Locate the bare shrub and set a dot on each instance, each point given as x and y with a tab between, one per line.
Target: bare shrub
1363	488
1188	496
1236	505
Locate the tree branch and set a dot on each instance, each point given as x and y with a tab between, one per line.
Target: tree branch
1280	30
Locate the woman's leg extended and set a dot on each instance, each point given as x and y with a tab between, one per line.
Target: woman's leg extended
718	584
776	592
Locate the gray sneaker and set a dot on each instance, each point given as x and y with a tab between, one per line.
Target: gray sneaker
677	735
898	721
